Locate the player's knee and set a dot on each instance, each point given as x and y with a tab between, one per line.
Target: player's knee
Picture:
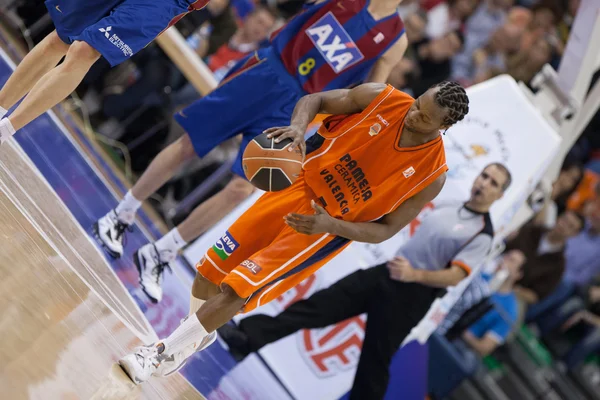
238	190
81	53
55	44
185	148
231	295
204	289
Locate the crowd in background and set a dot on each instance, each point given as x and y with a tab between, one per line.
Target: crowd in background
553	258
464	40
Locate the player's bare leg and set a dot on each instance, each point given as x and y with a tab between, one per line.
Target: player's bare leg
193	334
163	167
36	64
51	88
214	209
153	258
110	229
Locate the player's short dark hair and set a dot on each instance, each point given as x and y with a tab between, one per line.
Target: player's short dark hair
453	97
507	173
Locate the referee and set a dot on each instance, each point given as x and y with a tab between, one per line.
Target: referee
450	241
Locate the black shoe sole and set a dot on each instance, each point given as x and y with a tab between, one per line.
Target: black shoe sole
136	261
111	253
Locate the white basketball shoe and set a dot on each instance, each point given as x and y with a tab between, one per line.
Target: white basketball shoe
110	232
141	364
151	265
174	362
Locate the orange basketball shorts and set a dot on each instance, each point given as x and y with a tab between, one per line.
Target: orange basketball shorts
260	257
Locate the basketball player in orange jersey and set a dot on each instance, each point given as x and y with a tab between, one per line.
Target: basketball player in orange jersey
332	44
367	173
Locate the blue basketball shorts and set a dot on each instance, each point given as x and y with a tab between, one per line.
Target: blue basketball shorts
255	95
117	29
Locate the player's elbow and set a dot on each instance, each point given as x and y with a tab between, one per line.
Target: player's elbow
459	271
383	233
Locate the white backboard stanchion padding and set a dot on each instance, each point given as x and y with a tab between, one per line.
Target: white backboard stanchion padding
502	126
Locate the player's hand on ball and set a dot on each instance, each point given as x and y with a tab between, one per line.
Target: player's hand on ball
401	270
319	222
288	132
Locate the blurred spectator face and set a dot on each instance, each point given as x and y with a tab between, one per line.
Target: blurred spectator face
573	6
502	4
464	8
568	225
507	38
540	53
566	181
415	28
513	261
543	19
258	25
489	186
398	76
445	47
594	215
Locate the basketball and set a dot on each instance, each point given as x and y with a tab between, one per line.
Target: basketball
271	166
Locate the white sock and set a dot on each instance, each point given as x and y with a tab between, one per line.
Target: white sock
127	208
2	112
6	130
190	332
170	243
195	304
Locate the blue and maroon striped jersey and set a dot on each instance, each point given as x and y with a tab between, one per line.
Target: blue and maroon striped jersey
334	44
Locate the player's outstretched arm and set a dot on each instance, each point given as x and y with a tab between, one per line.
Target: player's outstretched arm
388	61
337	102
368	232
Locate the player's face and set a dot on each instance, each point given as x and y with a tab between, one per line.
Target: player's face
488	187
425	115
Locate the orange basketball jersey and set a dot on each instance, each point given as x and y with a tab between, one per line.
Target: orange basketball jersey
358	170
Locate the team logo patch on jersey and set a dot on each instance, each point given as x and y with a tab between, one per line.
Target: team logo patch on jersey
374	129
409	172
334	43
225	246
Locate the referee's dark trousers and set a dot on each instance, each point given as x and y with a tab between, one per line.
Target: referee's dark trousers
393	308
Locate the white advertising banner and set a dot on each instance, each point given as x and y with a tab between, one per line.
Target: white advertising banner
502	126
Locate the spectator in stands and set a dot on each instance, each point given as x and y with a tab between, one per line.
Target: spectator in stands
450	242
448	16
540	21
415	26
488	60
247	38
583	251
402	74
544	249
587	192
491	330
434	58
571	174
487	18
525	64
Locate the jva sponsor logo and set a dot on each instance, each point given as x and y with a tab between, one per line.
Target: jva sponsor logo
225	246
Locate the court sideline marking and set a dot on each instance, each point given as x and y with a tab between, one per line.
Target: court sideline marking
151	335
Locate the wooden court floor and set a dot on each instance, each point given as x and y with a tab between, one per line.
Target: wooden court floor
65	318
